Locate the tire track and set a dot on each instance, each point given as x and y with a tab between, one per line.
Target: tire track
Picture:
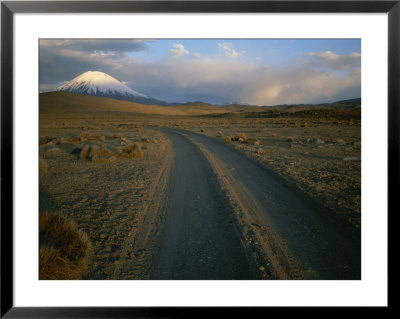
296	238
198	238
271	253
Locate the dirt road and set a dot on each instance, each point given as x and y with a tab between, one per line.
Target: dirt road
199	239
217	214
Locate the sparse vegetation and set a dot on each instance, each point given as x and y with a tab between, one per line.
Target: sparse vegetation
227	140
253	141
146	140
318	141
116	135
96	154
64	251
131	151
260	151
43	140
78	140
340	141
240	136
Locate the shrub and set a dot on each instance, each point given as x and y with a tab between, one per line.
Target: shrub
340	141
77	140
85	152
253	141
116	135
64	251
42	167
131	151
44	140
260	151
240	135
95	153
227	140
146	140
317	141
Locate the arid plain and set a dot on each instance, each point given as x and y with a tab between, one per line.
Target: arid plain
198	191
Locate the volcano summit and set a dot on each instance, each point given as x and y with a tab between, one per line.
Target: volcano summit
100	84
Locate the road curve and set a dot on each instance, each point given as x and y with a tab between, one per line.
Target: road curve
218	214
305	241
198	238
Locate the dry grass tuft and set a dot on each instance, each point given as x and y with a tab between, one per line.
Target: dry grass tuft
44	140
220	134
90	151
260	151
78	140
146	140
64	251
42	167
340	141
131	151
85	134
97	154
227	140
116	135
240	136
253	141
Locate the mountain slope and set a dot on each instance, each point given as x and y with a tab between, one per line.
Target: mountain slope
71	104
100	84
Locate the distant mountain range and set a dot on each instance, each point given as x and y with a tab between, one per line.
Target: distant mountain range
100	84
348	102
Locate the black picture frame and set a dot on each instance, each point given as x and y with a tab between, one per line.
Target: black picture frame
9	8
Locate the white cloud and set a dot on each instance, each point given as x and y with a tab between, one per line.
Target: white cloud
229	51
335	61
221	81
178	50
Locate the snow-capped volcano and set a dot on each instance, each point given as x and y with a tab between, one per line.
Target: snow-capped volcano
98	83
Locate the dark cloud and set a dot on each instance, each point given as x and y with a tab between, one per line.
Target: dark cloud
61	60
91	45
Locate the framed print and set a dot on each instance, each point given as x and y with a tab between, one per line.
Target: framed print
161	158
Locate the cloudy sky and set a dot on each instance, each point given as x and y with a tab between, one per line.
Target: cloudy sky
261	72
